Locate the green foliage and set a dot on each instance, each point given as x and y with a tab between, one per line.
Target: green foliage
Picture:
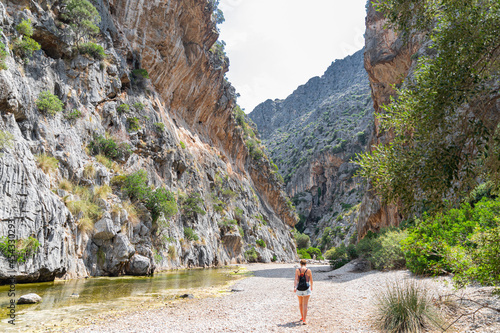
251	255
93	50
219	52
182	144
405	307
190	235
83	18
47	163
160	127
18	249
3	55
462	241
442	144
6	140
138	106
133	124
274	259
140	73
303	254
123	108
136	186
260	242
25	47
389	255
190	205
161	201
73	115
254	149
228	223
338	256
303	241
108	147
25	28
49	103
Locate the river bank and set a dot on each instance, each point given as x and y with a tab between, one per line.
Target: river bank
342	301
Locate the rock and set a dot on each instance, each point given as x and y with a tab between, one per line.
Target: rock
75	295
237	290
361	265
139	265
190	296
29	299
104	228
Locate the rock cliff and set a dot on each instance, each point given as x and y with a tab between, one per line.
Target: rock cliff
161	100
312	135
388	61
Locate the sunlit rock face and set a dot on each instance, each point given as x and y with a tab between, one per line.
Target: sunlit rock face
185	138
312	136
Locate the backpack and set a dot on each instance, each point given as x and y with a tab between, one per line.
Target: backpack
303	284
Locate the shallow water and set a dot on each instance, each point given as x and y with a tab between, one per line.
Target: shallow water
59	305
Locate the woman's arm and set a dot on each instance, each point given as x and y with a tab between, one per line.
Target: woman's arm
296	281
311	280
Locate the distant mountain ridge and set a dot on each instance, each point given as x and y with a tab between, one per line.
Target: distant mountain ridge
311	136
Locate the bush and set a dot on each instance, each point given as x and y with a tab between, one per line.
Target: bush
136	186
18	249
47	163
138	106
93	50
6	140
83	18
303	254
303	241
182	144
25	28
190	235
405	307
25	47
161	201
123	108
251	255
133	124
73	115
160	127
49	103
191	205
108	147
3	55
338	256
389	254
315	252
140	73
260	242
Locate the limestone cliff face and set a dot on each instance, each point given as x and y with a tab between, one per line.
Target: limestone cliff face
312	135
186	140
388	62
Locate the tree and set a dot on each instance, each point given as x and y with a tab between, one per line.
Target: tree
446	135
83	18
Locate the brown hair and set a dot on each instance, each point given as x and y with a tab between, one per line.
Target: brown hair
303	262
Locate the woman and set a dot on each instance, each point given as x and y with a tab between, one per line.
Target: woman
303	295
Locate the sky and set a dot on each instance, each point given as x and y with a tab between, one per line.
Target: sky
276	45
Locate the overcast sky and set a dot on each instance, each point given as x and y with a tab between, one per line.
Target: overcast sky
276	45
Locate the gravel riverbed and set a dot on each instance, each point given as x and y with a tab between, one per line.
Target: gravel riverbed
342	301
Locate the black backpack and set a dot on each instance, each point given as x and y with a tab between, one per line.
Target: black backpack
303	285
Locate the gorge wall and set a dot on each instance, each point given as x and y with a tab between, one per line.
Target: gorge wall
180	128
312	136
388	61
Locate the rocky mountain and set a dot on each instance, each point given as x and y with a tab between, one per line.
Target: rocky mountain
126	159
312	136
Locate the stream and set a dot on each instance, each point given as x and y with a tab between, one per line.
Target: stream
66	303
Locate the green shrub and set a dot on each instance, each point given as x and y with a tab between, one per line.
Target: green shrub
182	144
138	106
314	251
73	115
405	307
303	254
274	259
25	47
191	205
228	223
18	249
260	242
251	255
160	127
136	186
108	147
3	55
190	235
133	124
161	201
93	50
140	73
47	163
49	103
83	18
6	140
389	254
303	241
123	108
25	28
338	256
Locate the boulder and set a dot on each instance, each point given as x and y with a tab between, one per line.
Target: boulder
29	299
139	265
104	228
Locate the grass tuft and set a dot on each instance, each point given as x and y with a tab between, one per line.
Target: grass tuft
47	163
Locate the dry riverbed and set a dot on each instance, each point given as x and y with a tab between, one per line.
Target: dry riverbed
342	301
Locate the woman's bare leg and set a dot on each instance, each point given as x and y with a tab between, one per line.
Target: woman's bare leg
305	302
301	301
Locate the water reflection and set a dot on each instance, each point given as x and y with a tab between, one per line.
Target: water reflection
101	294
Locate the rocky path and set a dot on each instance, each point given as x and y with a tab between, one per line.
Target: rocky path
265	302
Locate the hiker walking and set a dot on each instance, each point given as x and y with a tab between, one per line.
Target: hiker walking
303	287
